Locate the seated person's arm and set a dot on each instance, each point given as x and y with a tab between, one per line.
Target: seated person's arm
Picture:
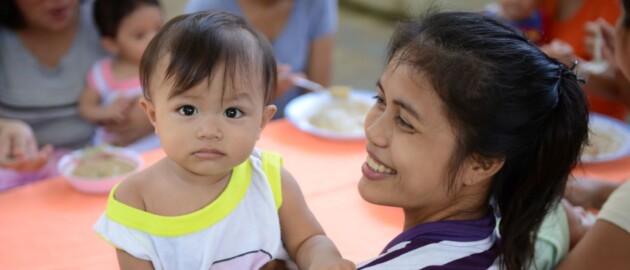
18	147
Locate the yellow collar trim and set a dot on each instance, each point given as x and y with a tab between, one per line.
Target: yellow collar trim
169	226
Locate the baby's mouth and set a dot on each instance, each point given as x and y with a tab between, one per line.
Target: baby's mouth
378	167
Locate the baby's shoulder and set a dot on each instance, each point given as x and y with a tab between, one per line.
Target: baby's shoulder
132	191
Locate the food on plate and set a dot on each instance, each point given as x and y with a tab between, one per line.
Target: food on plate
341	116
98	163
602	142
339	91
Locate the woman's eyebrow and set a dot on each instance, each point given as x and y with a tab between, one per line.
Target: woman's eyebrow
405	106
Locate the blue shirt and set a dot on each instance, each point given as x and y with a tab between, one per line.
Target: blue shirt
308	21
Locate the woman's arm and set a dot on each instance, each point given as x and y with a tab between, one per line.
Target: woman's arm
18	147
320	60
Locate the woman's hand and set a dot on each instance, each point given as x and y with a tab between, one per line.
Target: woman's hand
560	50
135	126
285	80
18	147
607	32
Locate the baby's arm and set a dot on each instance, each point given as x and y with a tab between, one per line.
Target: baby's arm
303	237
126	261
129	193
91	110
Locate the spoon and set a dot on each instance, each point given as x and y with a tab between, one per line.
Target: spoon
598	64
335	91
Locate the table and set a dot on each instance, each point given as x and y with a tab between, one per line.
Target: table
48	225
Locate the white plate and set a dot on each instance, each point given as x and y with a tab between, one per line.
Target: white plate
300	110
609	139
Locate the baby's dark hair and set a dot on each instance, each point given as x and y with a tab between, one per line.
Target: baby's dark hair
108	14
507	101
199	43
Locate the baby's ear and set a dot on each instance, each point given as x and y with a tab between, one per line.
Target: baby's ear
478	169
110	45
149	108
268	112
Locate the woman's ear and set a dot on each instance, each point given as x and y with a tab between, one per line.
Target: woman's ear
149	108
110	45
478	169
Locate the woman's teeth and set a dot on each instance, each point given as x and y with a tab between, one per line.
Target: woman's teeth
377	167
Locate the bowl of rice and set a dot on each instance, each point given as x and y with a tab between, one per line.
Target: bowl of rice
97	170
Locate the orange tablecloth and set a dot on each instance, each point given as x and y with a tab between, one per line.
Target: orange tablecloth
48	225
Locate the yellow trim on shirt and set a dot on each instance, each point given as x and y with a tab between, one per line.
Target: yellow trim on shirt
272	167
170	226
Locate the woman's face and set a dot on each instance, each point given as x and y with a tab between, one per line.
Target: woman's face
49	15
622	47
410	144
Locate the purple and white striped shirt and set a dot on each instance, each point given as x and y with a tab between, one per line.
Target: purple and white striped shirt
456	244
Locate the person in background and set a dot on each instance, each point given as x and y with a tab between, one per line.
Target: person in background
113	84
214	201
607	244
455	141
301	32
566	26
46	49
522	14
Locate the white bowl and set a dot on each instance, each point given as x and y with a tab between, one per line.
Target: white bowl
300	110
98	185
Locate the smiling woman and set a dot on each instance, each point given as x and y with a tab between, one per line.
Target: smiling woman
456	141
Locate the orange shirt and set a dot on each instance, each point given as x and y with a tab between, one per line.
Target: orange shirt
572	31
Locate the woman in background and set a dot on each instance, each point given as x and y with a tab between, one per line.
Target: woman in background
301	32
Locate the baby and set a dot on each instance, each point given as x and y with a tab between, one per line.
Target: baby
214	202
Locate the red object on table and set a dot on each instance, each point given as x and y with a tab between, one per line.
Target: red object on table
48	225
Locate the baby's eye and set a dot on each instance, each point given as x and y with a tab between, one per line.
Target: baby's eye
187	110
139	36
233	113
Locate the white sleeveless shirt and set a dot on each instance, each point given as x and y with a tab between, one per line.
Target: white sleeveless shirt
239	230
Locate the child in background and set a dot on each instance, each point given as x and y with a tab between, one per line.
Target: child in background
522	14
113	84
471	121
214	202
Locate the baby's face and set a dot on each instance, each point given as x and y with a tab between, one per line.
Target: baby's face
410	143
517	10
206	130
136	31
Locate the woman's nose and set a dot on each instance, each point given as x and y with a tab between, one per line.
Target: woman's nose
377	129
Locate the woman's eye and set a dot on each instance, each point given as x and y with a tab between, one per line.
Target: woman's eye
379	100
406	126
233	113
187	110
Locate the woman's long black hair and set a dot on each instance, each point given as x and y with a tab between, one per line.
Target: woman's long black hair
507	101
